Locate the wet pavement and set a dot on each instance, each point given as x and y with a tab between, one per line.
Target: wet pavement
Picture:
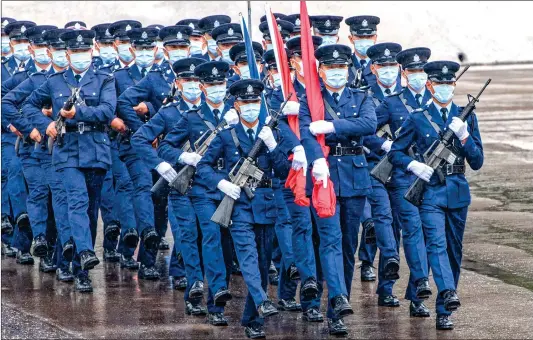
496	286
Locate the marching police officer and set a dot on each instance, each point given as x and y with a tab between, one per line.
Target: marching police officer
227	36
6	46
198	42
21	57
207	25
84	155
444	208
295	20
107	54
349	116
326	27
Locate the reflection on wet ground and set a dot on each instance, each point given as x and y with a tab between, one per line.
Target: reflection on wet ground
496	289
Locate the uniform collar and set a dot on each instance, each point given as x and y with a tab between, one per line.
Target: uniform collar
147	68
190	105
254	128
367	60
414	93
449	106
339	92
220	108
385	88
47	69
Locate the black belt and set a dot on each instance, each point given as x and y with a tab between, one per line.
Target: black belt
264	183
451	169
83	127
336	150
220	163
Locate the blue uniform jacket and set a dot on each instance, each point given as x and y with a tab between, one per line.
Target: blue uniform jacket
189	128
159	125
455	192
369	79
357	118
151	90
87	150
262	208
9	67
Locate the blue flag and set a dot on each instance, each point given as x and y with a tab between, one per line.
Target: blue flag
254	72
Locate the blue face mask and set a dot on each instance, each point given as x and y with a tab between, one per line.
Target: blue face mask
175	55
59	58
443	93
212	46
328	40
108	54
250	112
6	48
417	80
124	53
160	53
388	75
144	58
216	93
196	47
191	90
362	45
21	52
41	56
336	77
80	61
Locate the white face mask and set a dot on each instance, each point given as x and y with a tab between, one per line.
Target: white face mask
226	57
41	56
21	52
124	53
443	93
250	112
388	75
108	54
80	61
59	58
417	80
336	77
276	80
191	90
212	46
196	47
6	48
216	93
362	45
144	58
160	54
269	47
328	40
245	72
175	55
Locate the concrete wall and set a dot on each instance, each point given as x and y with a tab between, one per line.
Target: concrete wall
485	31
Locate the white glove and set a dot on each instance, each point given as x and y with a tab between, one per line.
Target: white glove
386	146
166	171
231	117
421	170
291	109
229	189
190	158
321	171
266	135
321	127
299	160
460	128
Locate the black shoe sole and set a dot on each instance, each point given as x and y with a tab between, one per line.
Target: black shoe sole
217	323
285	309
308	319
444	328
452	306
295	276
262	336
223	298
271	313
47	270
111	260
344	312
164	247
90	264
71	279
424	294
84	290
419	315
26	262
391	271
338	333
180	288
149	278
310	293
368	279
382	304
196	294
24	224
201	313
132	268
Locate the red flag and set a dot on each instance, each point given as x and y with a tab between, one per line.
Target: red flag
324	199
296	179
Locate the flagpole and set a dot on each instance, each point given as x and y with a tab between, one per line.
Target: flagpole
249	17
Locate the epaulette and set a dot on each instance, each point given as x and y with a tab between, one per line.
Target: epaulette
394	94
357	89
172	103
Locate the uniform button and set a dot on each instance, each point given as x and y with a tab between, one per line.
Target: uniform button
361	163
338	160
94	94
201	132
427	135
163	93
401	118
61	94
355	113
236	152
338	113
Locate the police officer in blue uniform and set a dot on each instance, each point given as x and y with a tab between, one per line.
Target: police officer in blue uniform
198	42
216	243
295	20
363	35
405	215
107	54
76	25
252	220
21	58
207	24
239	59
82	171
6	46
227	36
295	59
285	29
445	203
351	117
327	27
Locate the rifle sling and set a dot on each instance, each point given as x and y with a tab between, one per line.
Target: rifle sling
433	124
329	109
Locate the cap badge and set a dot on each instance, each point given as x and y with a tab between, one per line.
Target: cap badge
416	58
191	25
214	71
77	26
364	23
277	18
144	35
5	23
297	22
107	34
192	67
60	40
250	89
43	31
216	23
335	54
179	35
327	23
444	70
22	29
230	31
279	28
386	52
158	28
128	28
79	38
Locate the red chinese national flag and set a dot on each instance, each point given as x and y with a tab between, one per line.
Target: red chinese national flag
324	199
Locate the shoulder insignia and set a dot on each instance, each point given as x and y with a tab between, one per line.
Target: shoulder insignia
393	94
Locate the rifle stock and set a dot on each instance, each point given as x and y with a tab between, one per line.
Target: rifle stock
221	215
60	121
160	187
182	181
382	171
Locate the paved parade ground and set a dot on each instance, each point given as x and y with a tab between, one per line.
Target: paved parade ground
496	287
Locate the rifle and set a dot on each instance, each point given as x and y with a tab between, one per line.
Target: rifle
383	170
159	187
182	182
60	121
442	152
247	175
24	140
170	96
37	144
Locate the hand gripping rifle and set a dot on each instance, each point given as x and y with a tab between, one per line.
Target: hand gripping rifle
244	174
383	170
182	182
442	152
160	187
60	121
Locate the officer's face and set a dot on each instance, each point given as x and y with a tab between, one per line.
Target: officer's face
100	45
323	68
224	47
176	48
240	103
199	40
375	67
242	66
180	81
353	38
267	45
14	42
